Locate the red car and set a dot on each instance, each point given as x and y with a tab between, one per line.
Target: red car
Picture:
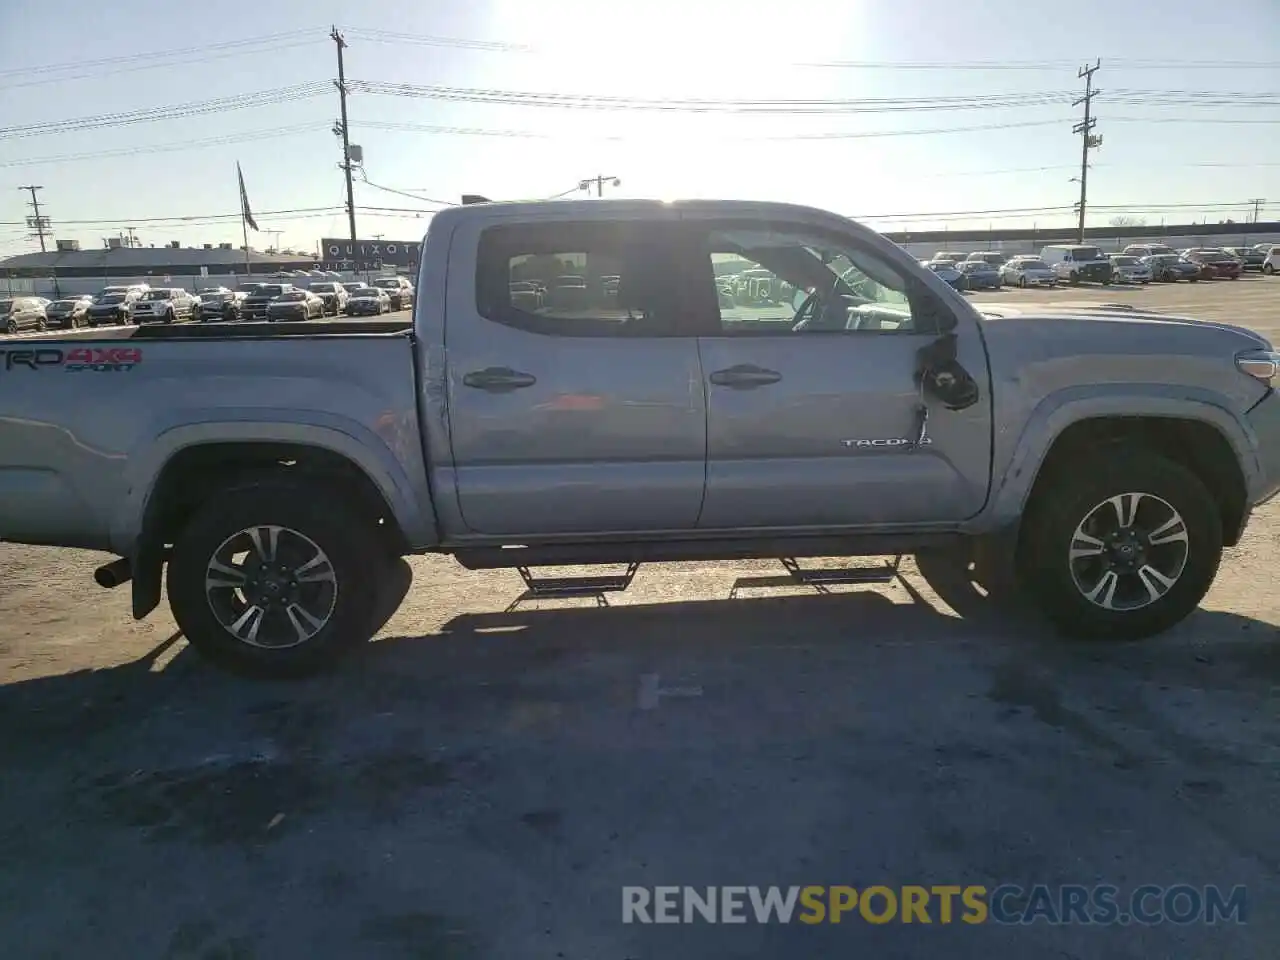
1215	264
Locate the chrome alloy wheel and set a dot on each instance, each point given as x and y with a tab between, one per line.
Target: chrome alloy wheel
1128	551
271	587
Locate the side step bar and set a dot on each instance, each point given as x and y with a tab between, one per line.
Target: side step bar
825	576
576	586
670	551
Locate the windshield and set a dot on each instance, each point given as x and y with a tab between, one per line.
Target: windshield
292	295
270	289
365	292
6	306
1032	265
1125	261
941	265
392	284
1086	253
112	298
157	295
249	288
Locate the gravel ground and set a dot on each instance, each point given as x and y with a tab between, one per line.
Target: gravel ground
480	783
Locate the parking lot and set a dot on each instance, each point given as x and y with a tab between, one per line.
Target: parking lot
483	781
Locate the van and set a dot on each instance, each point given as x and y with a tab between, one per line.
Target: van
1077	262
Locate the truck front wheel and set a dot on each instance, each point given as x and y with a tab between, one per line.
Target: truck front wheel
1122	547
275	579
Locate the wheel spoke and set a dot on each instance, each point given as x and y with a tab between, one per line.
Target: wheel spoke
1083	545
221	575
1157	583
1104	592
246	626
1126	507
265	540
315	570
304	624
1170	531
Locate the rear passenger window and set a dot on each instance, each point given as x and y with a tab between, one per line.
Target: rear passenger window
579	279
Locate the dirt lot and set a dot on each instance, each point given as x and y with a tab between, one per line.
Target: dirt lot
483	784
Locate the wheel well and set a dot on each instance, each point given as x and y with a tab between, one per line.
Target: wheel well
196	473
1198	446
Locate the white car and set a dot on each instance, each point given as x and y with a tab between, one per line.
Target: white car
1271	265
1129	269
1028	272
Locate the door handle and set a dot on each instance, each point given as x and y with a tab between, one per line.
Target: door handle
498	379
745	377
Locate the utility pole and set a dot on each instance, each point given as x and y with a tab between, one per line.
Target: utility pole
275	238
599	182
341	84
133	240
1257	208
37	223
1087	140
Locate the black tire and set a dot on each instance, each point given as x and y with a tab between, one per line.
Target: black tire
11	327
355	556
1022	282
1049	532
1268	269
42	325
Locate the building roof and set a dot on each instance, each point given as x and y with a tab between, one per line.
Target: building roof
125	260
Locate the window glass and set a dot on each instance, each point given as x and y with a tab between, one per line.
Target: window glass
584	279
771	281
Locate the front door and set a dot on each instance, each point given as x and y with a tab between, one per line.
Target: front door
575	396
811	389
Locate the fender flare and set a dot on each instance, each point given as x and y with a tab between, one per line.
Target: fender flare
364	449
1055	413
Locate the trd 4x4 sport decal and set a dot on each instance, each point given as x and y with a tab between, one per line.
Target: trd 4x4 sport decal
77	360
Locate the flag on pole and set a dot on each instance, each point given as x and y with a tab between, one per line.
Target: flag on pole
244	201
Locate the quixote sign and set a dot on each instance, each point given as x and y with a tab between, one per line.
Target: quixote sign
366	253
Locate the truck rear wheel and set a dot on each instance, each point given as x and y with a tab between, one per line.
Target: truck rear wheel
275	580
1121	547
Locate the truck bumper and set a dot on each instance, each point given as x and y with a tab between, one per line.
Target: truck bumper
1264	418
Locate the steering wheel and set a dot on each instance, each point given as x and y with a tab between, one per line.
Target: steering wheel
807	311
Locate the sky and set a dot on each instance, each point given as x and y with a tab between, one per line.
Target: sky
1182	140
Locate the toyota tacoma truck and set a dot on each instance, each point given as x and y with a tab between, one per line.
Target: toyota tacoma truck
273	474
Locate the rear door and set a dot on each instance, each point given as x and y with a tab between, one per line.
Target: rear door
571	410
812	396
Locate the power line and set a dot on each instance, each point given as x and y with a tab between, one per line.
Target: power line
240	101
152	60
364	178
172	147
179	220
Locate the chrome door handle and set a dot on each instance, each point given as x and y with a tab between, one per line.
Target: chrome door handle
745	377
498	379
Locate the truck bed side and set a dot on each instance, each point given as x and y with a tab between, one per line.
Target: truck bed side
89	422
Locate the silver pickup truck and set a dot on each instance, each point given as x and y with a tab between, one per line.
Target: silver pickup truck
586	383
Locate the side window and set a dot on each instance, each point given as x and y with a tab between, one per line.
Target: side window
775	280
580	279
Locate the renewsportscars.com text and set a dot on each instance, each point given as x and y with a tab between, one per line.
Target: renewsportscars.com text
1101	904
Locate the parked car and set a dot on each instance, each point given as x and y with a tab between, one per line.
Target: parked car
1129	269
1271	264
295	304
980	275
1169	267
256	304
993	257
165	305
1076	263
368	301
1028	272
951	255
947	271
1251	258
333	294
1221	265
70	313
399	290
22	313
1148	250
110	308
352	286
135	288
222	306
